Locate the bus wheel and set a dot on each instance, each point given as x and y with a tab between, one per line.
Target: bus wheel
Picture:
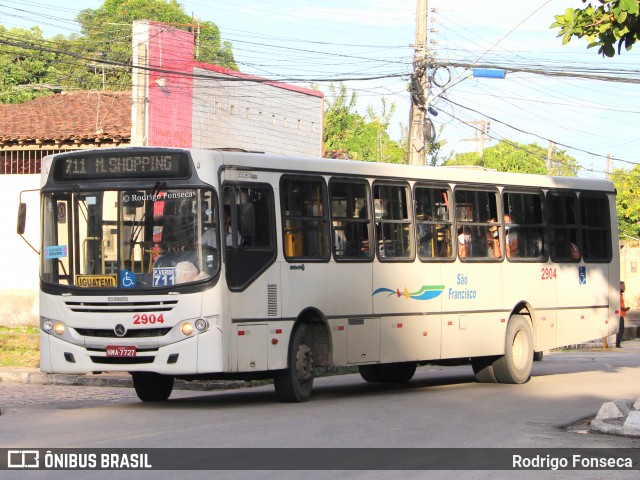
369	373
483	369
515	365
388	372
294	384
152	387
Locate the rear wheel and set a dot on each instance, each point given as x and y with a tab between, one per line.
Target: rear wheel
388	372
152	387
515	365
294	384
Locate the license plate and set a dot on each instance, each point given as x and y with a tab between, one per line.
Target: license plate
121	351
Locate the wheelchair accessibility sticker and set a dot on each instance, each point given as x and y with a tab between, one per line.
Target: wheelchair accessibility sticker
127	279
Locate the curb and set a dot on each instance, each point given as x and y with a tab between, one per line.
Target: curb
108	380
620	417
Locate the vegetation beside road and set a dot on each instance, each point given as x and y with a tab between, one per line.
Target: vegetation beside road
19	347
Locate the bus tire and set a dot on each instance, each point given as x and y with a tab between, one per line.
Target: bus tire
293	385
152	387
369	373
515	365
483	369
388	372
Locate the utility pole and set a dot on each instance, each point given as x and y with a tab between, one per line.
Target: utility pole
608	168
551	150
481	128
419	90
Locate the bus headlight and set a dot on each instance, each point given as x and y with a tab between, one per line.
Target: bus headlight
202	324
59	328
47	326
187	329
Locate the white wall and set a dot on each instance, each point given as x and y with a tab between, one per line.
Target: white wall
19	278
255	116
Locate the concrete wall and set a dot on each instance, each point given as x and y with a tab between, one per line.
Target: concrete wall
208	106
254	115
19	279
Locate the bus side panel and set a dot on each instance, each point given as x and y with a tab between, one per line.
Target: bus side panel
408	298
472	325
536	284
583	302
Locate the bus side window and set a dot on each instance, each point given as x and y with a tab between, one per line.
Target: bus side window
596	234
478	224
563	227
524	226
433	223
350	220
305	218
393	222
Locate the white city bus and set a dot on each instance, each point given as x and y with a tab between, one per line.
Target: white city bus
210	264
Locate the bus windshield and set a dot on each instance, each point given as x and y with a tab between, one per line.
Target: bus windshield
129	239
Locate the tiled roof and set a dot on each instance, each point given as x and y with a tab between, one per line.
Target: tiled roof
81	115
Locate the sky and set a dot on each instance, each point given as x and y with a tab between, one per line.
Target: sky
368	44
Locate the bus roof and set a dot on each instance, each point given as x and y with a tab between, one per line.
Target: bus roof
453	174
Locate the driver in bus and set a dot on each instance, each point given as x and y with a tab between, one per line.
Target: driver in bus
210	238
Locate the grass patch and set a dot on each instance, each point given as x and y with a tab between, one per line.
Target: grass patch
19	347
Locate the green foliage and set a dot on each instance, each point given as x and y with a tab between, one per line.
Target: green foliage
74	62
32	70
435	145
510	156
348	134
602	26
627	185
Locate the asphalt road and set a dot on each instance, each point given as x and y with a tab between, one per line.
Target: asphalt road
441	407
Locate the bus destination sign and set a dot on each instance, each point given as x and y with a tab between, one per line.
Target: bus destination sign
116	165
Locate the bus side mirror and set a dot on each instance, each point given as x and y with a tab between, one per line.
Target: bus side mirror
22	218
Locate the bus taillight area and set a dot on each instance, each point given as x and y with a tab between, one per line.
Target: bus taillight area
183	348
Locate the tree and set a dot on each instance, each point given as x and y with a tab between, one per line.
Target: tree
627	183
602	26
106	34
30	70
31	66
510	156
434	149
347	134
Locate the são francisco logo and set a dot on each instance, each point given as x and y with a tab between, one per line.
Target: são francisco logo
427	292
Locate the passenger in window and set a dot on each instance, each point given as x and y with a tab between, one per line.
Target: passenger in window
493	241
575	251
511	238
464	242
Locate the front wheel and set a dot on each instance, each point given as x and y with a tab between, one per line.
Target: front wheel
294	384
516	363
152	387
